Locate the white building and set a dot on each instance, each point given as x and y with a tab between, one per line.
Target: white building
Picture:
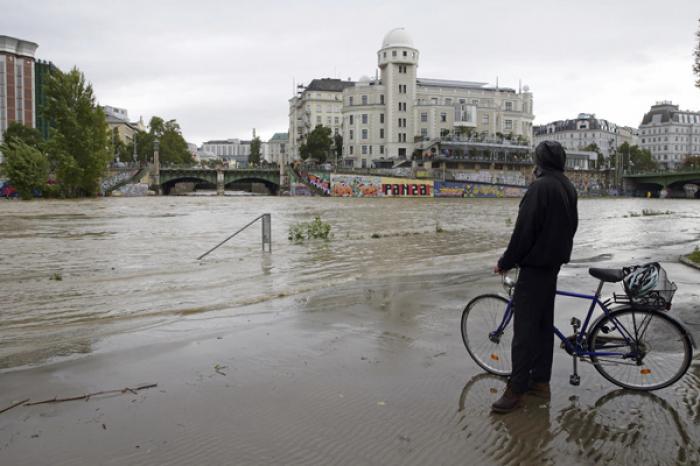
277	146
319	103
387	118
670	134
586	129
228	150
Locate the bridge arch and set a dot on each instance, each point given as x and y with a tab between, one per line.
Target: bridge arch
200	182
272	187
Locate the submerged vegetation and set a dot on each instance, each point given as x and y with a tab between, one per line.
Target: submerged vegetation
695	255
316	229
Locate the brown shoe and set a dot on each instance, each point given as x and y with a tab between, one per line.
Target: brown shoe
540	390
508	402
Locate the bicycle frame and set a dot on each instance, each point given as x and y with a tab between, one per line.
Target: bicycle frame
576	347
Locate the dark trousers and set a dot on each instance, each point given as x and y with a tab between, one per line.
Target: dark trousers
533	337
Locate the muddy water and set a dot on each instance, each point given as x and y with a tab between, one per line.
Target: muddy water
72	272
375	313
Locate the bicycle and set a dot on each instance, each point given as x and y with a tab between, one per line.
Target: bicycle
634	345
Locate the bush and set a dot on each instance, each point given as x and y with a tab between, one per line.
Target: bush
317	229
695	256
25	167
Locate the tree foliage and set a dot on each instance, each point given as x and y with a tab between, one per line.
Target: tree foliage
255	145
317	145
600	160
338	146
78	146
172	148
17	131
634	157
692	161
25	166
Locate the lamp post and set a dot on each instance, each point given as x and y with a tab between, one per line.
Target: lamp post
156	164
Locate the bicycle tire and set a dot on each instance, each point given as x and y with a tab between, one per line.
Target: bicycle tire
667	349
481	316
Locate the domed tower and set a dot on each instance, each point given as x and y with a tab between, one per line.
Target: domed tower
398	61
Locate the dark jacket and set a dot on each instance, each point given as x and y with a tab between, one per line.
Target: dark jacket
547	220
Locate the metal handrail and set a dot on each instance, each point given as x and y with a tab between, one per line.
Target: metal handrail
266	234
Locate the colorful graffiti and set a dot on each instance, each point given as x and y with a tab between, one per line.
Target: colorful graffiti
406	187
299	189
321	181
460	189
356	186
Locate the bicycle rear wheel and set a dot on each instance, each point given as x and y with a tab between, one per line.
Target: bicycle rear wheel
657	355
480	321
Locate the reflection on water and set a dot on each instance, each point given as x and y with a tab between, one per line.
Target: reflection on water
130	263
620	427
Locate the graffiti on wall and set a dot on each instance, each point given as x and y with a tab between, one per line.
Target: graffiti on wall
406	187
356	186
320	180
462	189
6	190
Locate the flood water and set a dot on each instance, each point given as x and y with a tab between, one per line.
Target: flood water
74	271
374	312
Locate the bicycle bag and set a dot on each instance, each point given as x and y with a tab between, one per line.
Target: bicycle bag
648	285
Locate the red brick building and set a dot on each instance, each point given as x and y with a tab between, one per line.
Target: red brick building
16	82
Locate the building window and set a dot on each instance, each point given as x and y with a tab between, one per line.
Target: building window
364	150
485	119
509	106
352	135
381	149
370	150
352	120
402	88
381	118
393	53
400	126
424	132
364	118
352	150
381	133
424	116
364	100
405	53
448	101
336	120
364	134
328	119
402	69
443	117
508	124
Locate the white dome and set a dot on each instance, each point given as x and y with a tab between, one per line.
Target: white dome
364	79
397	38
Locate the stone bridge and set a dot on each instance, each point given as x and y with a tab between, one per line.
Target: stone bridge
166	178
674	182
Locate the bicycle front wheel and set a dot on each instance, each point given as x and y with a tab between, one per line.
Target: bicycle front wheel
646	350
487	332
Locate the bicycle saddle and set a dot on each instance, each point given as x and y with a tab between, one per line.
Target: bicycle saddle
607	275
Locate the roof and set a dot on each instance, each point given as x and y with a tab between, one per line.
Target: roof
450	83
17	46
397	37
328	85
279	137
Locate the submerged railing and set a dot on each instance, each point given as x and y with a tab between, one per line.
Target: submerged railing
266	234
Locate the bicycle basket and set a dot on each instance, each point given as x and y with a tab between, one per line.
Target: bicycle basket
648	285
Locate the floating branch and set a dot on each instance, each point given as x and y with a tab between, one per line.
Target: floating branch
13	405
89	395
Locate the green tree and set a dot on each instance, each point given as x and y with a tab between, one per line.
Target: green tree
635	158
78	146
696	65
600	160
317	145
338	146
692	161
25	166
18	131
254	158
172	145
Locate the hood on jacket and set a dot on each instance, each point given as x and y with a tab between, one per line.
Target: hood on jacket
550	155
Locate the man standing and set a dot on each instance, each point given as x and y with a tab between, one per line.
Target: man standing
541	242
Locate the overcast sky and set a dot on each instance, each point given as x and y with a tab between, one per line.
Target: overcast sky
224	68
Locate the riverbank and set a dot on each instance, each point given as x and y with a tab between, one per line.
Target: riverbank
344	352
